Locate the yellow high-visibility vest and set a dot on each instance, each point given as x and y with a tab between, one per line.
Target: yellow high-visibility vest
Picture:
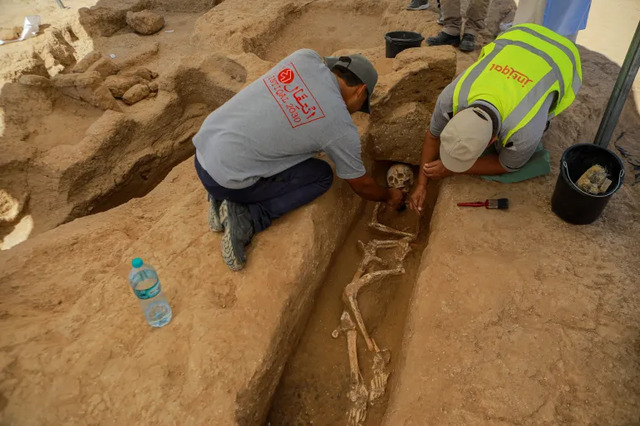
517	72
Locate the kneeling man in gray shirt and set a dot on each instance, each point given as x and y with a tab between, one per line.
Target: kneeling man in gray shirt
255	154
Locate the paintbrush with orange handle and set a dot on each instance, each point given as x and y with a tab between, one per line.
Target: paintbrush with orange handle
499	203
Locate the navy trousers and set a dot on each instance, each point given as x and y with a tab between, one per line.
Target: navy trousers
269	198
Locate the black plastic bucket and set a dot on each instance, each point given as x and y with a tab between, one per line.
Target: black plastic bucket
572	204
397	41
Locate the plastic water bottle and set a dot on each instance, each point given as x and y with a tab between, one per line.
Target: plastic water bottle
146	286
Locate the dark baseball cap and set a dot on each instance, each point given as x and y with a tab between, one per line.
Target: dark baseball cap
361	67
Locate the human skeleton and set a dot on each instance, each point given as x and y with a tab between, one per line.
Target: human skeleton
399	176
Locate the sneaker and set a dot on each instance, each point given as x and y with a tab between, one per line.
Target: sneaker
444	39
418	5
238	231
215	224
440	20
468	43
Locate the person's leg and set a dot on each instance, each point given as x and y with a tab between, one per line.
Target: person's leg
214	196
530	12
215	224
272	197
238	232
476	16
451	17
450	34
250	210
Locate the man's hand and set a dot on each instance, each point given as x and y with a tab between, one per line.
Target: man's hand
396	198
367	188
436	170
416	200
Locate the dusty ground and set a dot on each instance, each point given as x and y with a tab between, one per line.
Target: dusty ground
66	306
518	317
14	11
56	141
514	317
521	318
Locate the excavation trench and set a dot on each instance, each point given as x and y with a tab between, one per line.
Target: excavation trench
315	383
326	27
72	149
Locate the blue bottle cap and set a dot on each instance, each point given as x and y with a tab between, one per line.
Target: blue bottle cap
137	262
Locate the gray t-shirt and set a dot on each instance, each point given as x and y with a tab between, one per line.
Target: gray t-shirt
521	145
283	118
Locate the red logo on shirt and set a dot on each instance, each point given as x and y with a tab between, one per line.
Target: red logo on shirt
286	76
512	73
293	96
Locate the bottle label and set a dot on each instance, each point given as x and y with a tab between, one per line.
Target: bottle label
150	292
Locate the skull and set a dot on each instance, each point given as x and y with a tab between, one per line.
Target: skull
400	176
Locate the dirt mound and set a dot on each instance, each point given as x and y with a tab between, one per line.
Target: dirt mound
72	146
145	22
72	281
403	104
91	165
107	18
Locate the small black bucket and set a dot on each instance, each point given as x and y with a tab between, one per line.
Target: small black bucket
572	204
397	41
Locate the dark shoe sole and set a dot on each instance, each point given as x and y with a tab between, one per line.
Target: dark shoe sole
464	47
453	43
423	7
228	254
467	49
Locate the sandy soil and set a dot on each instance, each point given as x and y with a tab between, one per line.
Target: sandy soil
46	131
71	325
174	37
518	317
513	318
317	29
66	127
14	11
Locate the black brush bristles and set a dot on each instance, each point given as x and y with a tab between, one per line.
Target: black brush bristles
499	203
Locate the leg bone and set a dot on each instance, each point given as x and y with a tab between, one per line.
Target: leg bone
358	393
350	298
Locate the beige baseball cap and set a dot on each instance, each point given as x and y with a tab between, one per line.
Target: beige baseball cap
465	138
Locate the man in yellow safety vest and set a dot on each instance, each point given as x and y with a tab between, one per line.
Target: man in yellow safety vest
528	75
